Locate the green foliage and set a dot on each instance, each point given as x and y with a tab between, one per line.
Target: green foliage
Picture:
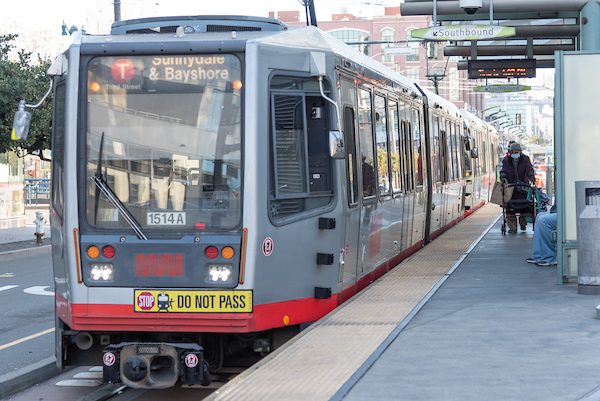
22	79
537	140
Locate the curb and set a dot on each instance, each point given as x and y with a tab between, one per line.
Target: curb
28	376
21	253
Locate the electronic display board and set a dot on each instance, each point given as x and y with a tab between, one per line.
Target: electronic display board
502	69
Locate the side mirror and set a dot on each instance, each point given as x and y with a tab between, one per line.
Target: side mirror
21	124
474	153
337	150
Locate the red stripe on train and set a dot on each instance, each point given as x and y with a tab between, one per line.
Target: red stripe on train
118	317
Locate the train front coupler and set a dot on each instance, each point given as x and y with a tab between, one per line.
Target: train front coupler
155	365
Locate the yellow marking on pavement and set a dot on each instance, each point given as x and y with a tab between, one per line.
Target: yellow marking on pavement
7	275
41	333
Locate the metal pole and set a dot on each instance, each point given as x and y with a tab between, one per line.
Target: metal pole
590	29
117	4
491	12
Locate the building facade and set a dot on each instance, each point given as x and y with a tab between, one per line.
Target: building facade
425	62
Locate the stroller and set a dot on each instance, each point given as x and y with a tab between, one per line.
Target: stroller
525	207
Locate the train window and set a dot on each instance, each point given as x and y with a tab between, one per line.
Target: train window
443	154
455	154
419	150
449	162
437	170
290	145
383	176
409	177
395	148
168	147
467	154
301	174
367	155
58	149
349	129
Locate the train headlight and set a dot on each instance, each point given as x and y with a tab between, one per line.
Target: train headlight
101	272
219	273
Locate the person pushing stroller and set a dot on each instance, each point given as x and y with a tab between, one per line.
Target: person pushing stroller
517	168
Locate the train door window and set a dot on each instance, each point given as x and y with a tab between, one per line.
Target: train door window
58	149
418	149
437	176
381	137
300	178
409	177
467	153
349	129
455	154
443	152
367	154
484	157
448	152
395	148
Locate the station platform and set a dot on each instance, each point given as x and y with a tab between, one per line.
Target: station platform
465	318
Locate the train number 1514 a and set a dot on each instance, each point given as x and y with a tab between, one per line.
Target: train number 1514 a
166	219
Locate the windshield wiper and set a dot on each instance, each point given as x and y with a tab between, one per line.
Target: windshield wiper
113	198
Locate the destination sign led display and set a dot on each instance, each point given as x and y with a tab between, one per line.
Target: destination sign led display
502	69
144	74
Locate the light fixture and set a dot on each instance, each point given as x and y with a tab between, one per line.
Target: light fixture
101	272
219	273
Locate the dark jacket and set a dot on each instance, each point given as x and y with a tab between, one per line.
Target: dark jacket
517	172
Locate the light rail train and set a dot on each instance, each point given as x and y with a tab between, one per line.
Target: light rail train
219	182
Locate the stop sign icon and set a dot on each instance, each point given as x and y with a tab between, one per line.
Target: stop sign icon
145	301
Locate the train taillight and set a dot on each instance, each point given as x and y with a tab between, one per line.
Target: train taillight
93	252
211	252
227	252
108	251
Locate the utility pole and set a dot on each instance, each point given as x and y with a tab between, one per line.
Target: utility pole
117	4
309	6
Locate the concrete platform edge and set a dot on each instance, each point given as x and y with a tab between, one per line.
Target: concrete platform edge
28	376
341	393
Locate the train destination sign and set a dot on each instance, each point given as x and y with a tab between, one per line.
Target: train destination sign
189	301
463	32
163	73
502	88
518	68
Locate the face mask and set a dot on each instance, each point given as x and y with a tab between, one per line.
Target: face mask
515	155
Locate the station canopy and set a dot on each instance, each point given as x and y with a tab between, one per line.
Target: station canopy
541	28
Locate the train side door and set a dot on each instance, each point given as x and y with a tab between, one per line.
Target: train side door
409	187
370	218
352	215
420	178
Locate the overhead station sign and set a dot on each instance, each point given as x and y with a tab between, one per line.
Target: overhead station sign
501	88
508	68
463	32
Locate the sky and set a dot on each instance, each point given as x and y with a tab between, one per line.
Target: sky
39	24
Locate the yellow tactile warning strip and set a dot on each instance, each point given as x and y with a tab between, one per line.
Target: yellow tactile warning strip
317	364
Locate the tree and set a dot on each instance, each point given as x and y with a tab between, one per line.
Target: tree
20	78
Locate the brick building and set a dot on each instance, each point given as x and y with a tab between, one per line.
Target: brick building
395	30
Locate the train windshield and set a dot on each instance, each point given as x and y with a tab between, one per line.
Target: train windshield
164	135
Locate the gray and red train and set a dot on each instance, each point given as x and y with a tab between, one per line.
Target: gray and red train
219	182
